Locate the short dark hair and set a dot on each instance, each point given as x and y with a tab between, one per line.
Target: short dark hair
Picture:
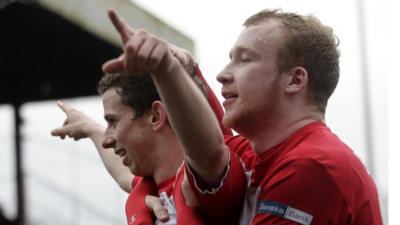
139	92
310	44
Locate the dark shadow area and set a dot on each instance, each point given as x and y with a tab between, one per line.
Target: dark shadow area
44	56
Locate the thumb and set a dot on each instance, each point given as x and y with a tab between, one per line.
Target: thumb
114	65
154	204
59	132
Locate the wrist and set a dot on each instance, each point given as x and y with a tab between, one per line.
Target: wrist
171	67
94	129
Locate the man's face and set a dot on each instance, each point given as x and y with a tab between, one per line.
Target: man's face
130	137
250	81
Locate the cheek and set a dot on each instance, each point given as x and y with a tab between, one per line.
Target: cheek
133	140
123	134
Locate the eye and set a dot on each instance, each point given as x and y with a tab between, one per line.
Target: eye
245	58
111	123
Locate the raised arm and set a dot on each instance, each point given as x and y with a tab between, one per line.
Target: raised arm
78	125
188	110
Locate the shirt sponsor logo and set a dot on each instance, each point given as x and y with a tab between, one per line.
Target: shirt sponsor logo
271	207
284	211
132	220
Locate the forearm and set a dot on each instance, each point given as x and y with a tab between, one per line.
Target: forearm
113	163
194	122
78	125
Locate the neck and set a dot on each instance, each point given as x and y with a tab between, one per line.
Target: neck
169	158
270	134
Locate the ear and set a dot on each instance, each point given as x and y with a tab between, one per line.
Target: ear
158	117
297	79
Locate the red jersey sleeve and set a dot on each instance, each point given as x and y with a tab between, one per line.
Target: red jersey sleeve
223	204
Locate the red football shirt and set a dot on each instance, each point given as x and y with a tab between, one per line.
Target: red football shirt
135	207
311	178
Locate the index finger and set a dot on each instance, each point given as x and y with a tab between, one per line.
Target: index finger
123	28
64	107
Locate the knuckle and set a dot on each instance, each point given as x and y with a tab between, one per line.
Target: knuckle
129	48
141	57
142	32
152	61
163	42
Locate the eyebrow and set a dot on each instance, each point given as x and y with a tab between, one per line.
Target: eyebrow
241	50
109	117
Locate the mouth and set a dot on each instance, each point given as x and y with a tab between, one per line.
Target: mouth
120	152
229	97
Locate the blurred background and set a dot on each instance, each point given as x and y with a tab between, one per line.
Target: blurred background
53	49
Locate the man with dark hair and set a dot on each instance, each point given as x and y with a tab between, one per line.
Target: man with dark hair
148	155
282	70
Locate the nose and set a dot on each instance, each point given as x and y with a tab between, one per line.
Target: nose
108	142
224	76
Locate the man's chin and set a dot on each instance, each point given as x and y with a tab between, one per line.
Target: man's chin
134	171
237	122
125	162
228	121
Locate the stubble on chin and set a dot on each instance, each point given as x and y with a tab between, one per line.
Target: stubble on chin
238	121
